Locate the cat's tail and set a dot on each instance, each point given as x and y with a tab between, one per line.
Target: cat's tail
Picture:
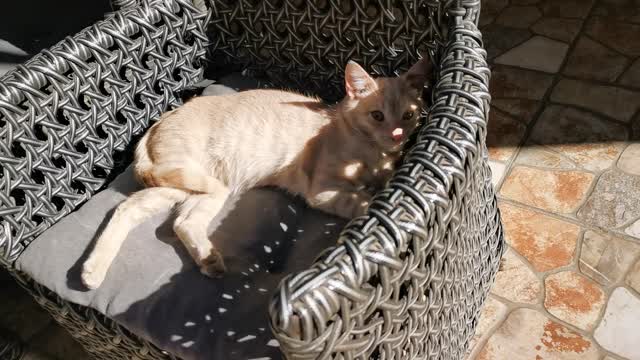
143	164
130	213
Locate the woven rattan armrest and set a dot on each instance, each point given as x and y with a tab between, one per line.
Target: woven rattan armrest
409	278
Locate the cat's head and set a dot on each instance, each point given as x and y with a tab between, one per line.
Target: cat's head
384	110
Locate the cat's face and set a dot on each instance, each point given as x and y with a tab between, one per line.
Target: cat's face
385	110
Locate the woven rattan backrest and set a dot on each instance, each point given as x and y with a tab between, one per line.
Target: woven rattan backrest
67	115
306	44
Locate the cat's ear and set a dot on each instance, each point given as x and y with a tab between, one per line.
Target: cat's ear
419	73
358	83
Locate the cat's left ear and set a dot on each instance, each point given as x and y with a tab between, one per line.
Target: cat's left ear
358	83
419	73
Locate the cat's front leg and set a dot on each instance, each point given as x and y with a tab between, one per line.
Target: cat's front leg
346	204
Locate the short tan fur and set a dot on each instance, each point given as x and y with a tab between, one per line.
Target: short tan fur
336	157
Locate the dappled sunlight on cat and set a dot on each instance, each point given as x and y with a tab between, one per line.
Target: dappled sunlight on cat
228	304
326	196
336	156
352	169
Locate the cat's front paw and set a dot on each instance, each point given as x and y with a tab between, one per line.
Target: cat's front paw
93	274
213	265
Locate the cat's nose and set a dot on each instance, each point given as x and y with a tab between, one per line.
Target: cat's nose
397	134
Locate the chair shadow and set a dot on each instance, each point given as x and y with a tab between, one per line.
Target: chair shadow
560	127
197	317
263	234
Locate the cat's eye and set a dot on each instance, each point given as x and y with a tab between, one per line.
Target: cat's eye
377	115
408	115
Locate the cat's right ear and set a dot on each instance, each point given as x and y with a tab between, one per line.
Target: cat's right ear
419	73
358	83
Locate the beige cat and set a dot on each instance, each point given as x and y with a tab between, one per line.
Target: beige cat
336	157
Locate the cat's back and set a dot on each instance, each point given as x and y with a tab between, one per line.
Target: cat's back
259	101
263	95
260	115
247	114
258	130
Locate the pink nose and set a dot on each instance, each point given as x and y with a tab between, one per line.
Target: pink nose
397	134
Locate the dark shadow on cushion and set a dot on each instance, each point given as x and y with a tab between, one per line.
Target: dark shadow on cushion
154	289
202	318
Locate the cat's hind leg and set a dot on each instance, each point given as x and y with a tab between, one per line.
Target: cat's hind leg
194	216
133	211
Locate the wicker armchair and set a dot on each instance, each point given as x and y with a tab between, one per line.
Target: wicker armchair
405	281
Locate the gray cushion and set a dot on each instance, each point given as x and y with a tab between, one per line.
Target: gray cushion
153	287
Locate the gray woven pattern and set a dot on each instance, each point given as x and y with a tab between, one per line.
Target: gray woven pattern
68	114
101	337
410	277
305	44
406	281
10	346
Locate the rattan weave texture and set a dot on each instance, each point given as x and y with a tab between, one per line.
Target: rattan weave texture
67	115
406	281
409	279
305	44
10	346
102	337
66	118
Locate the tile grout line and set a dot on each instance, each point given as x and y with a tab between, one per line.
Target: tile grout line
600	116
607	291
626	68
603	116
546	99
567	219
604	45
572	77
577	251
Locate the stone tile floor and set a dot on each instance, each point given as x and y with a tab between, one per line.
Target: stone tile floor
564	139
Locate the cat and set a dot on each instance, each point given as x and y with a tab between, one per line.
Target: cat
196	156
